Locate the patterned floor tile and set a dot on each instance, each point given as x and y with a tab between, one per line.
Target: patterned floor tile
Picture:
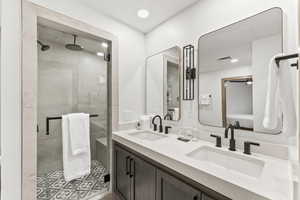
87	184
79	194
46	183
98	186
52	186
72	184
39	179
56	174
39	191
94	193
47	194
63	194
60	183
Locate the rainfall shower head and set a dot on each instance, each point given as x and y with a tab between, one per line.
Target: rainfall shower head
74	46
44	47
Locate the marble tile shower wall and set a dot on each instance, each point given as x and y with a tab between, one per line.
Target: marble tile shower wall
68	81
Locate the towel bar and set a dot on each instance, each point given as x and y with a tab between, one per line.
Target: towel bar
55	118
295	65
287	57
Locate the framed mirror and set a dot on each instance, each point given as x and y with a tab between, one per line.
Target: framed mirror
233	71
163	96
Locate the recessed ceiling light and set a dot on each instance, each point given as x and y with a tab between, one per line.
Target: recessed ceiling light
234	60
104	44
143	13
100	54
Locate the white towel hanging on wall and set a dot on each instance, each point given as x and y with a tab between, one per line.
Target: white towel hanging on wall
280	98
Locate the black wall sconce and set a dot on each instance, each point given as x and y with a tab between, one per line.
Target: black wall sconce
189	72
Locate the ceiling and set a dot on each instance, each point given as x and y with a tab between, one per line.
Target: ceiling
126	11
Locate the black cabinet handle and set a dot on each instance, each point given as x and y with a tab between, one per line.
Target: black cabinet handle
127	167
195	197
131	168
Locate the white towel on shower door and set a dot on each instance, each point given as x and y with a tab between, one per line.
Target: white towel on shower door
79	132
280	98
75	166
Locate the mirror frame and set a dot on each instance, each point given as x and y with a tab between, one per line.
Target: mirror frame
224	27
179	77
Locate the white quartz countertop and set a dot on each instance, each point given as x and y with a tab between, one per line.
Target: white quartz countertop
274	183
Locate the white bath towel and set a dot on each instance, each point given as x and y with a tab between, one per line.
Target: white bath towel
280	98
79	132
75	166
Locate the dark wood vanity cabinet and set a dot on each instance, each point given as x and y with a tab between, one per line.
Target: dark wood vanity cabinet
137	177
171	188
134	178
144	180
123	181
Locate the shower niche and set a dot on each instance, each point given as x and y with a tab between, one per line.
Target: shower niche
72	77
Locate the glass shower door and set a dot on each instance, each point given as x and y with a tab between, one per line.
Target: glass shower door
70	82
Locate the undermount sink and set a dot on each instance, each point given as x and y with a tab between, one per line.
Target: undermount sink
147	135
229	160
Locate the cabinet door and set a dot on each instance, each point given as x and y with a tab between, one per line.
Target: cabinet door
170	188
122	183
144	177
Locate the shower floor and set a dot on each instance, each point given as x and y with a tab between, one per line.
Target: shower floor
52	186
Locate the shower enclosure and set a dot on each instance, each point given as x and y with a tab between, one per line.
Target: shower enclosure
72	78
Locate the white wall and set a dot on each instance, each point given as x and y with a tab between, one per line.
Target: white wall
10	100
209	15
131	53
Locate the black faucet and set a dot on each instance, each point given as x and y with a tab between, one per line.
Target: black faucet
167	129
237	125
218	140
247	145
232	140
168	116
155	125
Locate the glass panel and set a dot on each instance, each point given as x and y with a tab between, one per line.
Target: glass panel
72	78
